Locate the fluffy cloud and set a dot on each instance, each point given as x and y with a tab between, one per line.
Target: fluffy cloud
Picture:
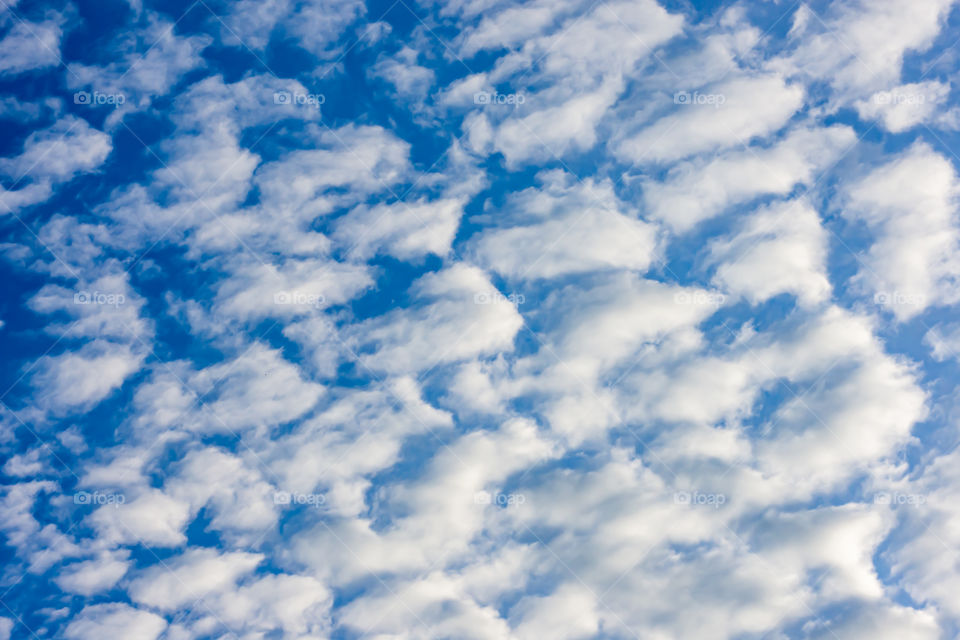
565	228
904	107
68	148
733	113
27	46
460	310
93	576
780	249
910	205
698	190
191	577
98	620
78	380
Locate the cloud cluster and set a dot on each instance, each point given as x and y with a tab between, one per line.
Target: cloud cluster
483	320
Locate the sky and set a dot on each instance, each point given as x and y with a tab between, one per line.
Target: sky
562	319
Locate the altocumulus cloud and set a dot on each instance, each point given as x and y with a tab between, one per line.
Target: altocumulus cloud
492	320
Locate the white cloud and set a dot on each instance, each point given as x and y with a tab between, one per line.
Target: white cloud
192	576
698	190
515	390
460	316
30	45
436	516
12	201
115	619
67	148
93	576
78	380
316	24
257	390
338	451
551	132
294	288
910	206
904	107
859	47
405	230
569	612
751	107
143	67
237	499
944	341
564	228
297	605
152	518
402	71
360	159
780	249
879	622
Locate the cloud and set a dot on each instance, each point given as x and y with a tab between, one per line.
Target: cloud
780	249
59	153
405	230
144	67
151	518
98	620
904	107
565	228
699	190
258	390
78	380
460	310
741	109
94	576
192	576
909	204
859	48
28	46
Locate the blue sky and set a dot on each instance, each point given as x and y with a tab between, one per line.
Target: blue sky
561	319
